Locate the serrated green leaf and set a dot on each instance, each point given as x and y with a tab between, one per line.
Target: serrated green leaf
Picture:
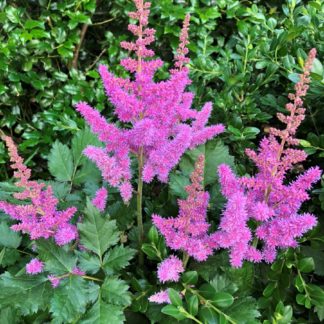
60	162
58	260
103	313
115	291
117	258
244	310
89	263
97	233
28	294
69	300
8	238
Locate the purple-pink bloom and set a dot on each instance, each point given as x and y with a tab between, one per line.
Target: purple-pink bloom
55	281
40	217
65	234
266	197
189	231
100	199
161	123
170	269
34	266
161	297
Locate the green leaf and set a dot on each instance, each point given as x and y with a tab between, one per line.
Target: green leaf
70	299
9	238
223	299
207	291
58	260
316	294
60	162
190	277
80	141
208	315
103	313
117	258
215	153
174	297
27	293
153	235
115	291
150	251
173	311
89	263
244	311
30	24
306	265
97	233
193	305
177	184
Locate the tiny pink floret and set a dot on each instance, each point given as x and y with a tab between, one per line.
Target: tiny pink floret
34	266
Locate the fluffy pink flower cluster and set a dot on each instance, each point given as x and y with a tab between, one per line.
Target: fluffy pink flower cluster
39	217
265	198
161	297
100	199
170	269
158	113
34	266
189	231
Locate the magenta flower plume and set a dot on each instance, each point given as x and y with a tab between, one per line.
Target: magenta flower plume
265	197
161	124
189	231
34	266
161	297
38	218
100	199
170	269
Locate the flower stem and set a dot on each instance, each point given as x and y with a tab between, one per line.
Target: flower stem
139	207
185	259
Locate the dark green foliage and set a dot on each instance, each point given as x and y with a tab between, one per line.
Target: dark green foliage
245	58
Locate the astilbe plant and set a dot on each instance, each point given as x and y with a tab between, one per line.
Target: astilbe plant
159	122
37	215
267	198
188	232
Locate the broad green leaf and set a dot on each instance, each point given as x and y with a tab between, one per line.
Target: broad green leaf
193	305
117	258
89	263
174	297
60	162
115	291
28	294
244	310
80	141
190	277
215	153
208	315
223	299
69	300
97	232
58	260
103	313
9	238
306	265
173	311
